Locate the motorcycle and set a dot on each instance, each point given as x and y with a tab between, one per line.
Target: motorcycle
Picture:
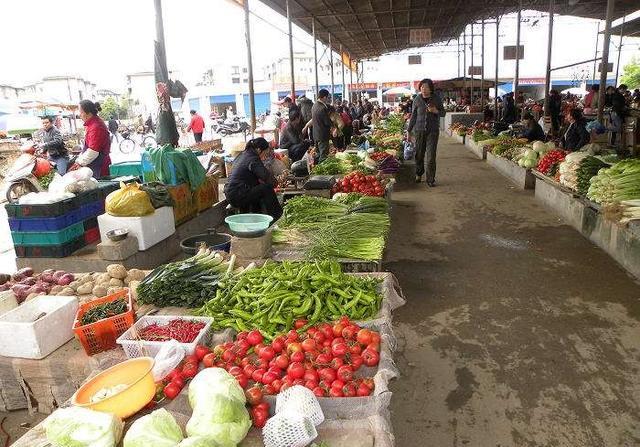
24	173
230	127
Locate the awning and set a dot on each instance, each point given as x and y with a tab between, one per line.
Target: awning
368	29
222	99
627	29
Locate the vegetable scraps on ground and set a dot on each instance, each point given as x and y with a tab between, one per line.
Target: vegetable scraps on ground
187	283
272	297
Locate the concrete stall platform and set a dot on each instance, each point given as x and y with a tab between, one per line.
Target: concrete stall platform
460	117
478	150
622	243
522	177
460	138
87	259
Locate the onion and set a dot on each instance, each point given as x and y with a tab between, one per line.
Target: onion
58	274
65	279
47	276
21	291
38	288
29	281
4	286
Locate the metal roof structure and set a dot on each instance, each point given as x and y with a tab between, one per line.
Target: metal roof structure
628	29
370	28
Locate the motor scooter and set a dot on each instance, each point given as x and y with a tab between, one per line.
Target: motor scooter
230	127
23	175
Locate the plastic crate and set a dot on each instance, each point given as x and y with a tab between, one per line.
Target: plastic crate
93	209
134	347
90	224
48	237
102	335
50	251
107	188
55	209
127	168
93	195
92	235
45	223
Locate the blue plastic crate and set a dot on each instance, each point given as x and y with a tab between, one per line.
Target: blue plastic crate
45	223
92	209
44	238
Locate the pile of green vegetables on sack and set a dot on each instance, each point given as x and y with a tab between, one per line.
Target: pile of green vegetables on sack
341	163
270	298
617	183
354	236
306	209
187	283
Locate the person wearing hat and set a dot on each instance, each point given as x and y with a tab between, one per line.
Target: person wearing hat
250	187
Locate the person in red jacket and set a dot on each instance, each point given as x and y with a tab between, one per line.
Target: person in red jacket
97	142
196	126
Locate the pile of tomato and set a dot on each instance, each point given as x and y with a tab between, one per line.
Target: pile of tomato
369	185
379	156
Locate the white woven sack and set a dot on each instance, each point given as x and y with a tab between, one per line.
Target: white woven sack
289	430
300	400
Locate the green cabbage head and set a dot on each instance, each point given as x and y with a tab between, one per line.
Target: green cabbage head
158	429
81	427
221	418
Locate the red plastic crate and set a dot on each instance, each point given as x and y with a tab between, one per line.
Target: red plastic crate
92	235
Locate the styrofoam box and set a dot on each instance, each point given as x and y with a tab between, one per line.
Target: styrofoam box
149	230
143	348
8	301
21	335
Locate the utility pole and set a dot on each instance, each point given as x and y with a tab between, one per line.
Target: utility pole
547	79
291	64
605	58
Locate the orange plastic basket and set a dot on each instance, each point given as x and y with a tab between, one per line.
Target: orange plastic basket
101	335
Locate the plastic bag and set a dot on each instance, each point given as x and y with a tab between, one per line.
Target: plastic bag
409	150
128	201
169	356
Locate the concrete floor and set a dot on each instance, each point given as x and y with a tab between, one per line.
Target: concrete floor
517	330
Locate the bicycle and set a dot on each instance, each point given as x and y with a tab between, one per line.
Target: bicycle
128	144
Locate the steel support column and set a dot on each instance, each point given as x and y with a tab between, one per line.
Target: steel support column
620	48
458	42
344	87
247	34
547	77
291	61
495	93
471	74
315	52
482	68
331	65
605	57
516	77
595	57
464	61
351	79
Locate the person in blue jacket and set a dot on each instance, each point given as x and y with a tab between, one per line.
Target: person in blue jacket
250	187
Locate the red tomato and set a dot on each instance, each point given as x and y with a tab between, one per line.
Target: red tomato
293	335
308	345
337	329
370	357
178	381
311	355
249	369
335	392
171	391
297	356
190	370
363	390
375	337
242	335
319	338
299	323
278	344
267	353
235	371
323	359
177	372
191	359
293	347
311	374
319	392
269	377
254	338
259	417
268	389
295	370
364	336
336	363
254	395
282	361
201	351
339	349
277	384
228	356
349	390
355	349
327	374
345	373
356	361
275	370
243	380
310	384
338	383
298	382
264	405
257	375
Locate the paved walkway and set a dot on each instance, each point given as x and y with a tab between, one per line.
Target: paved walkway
517	331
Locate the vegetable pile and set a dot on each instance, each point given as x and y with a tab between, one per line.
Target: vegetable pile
309	209
618	183
186	283
105	310
341	163
183	331
589	167
393	124
271	297
25	284
548	164
569	169
369	185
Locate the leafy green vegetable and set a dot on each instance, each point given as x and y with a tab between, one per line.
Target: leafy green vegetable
199	441
103	311
618	183
158	429
212	381
589	168
80	427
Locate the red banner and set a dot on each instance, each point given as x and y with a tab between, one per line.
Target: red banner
364	86
395	84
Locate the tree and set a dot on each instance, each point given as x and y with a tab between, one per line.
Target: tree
631	74
109	108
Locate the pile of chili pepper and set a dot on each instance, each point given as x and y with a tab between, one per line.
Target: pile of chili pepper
183	331
105	310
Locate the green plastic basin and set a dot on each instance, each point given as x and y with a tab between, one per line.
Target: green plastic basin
248	223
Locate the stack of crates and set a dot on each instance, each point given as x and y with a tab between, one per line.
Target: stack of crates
57	230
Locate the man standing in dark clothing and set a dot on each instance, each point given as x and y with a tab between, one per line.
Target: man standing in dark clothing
53	145
509	111
425	122
555	110
321	124
113	125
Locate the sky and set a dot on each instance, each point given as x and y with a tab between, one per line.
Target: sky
104	44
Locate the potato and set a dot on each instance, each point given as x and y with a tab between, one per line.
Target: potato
67	291
95	276
85	289
112	290
99	291
74	285
103	278
115	282
55	290
133	287
117	271
84	279
136	274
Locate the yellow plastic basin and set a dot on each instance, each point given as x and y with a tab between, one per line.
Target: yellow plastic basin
134	373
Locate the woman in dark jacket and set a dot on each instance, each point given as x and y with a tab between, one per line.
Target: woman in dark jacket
533	130
251	186
426	112
576	134
555	110
291	138
509	112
